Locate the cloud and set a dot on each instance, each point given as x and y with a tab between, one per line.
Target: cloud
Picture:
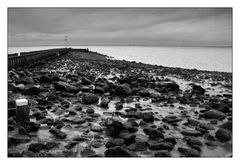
121	26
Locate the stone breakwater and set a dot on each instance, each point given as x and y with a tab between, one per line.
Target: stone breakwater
85	105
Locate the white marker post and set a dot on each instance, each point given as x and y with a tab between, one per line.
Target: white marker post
22	112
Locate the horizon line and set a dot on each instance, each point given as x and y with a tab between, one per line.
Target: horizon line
120	45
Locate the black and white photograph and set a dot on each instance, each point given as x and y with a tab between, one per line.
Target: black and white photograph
142	82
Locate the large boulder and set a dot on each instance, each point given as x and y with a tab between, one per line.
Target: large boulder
87	152
193	122
96	128
63	86
213	114
162	153
117	152
123	90
90	111
227	125
193	141
170	139
12	140
133	114
39	115
89	98
171	119
32	90
36	147
119	106
198	89
51	145
153	133
31	126
58	133
223	135
171	86
71	144
148	117
104	102
141	138
115	142
191	133
78	120
160	146
113	127
138	146
206	126
127	136
188	152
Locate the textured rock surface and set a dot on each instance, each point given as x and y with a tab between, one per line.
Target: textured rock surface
84	105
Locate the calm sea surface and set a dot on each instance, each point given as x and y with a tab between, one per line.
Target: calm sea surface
203	58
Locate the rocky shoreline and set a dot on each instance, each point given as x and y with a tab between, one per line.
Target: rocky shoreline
84	104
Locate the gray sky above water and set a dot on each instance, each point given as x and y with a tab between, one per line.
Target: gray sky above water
120	26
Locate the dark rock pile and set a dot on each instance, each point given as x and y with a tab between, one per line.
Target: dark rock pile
94	108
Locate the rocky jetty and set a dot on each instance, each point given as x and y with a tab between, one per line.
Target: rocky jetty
84	104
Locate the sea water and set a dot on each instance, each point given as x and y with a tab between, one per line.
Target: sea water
202	58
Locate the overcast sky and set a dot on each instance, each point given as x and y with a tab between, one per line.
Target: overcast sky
120	26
